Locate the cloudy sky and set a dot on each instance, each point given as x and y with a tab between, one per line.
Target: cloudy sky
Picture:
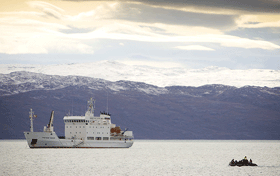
238	34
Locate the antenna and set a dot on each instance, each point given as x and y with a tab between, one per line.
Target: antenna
72	107
107	104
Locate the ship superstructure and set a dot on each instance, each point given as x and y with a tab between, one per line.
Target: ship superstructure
87	131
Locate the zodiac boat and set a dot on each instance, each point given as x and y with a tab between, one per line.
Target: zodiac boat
243	162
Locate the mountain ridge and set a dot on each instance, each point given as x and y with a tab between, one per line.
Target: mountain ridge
173	112
158	76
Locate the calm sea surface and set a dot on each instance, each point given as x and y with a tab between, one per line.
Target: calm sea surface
145	157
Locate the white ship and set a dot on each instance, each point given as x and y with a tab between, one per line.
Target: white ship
86	131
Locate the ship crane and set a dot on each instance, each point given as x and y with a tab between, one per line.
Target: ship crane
49	127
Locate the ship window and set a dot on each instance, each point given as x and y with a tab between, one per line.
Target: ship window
80	127
98	138
76	132
70	126
66	126
90	138
76	127
70	132
84	126
105	138
89	126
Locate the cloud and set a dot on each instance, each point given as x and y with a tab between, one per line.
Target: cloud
22	13
259	6
261	25
158	64
148	14
194	47
117	21
81	16
258	21
131	31
73	30
48	9
32	36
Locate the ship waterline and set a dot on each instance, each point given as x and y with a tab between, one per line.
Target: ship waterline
86	131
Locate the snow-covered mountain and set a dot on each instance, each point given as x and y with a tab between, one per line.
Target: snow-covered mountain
22	81
162	77
176	112
212	111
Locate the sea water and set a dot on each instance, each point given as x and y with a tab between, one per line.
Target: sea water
145	157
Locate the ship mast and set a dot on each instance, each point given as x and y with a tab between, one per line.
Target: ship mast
31	114
91	107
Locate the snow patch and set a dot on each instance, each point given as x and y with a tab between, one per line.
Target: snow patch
158	76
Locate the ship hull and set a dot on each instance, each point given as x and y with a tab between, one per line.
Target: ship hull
51	140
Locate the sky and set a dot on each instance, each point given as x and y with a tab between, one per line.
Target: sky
237	34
